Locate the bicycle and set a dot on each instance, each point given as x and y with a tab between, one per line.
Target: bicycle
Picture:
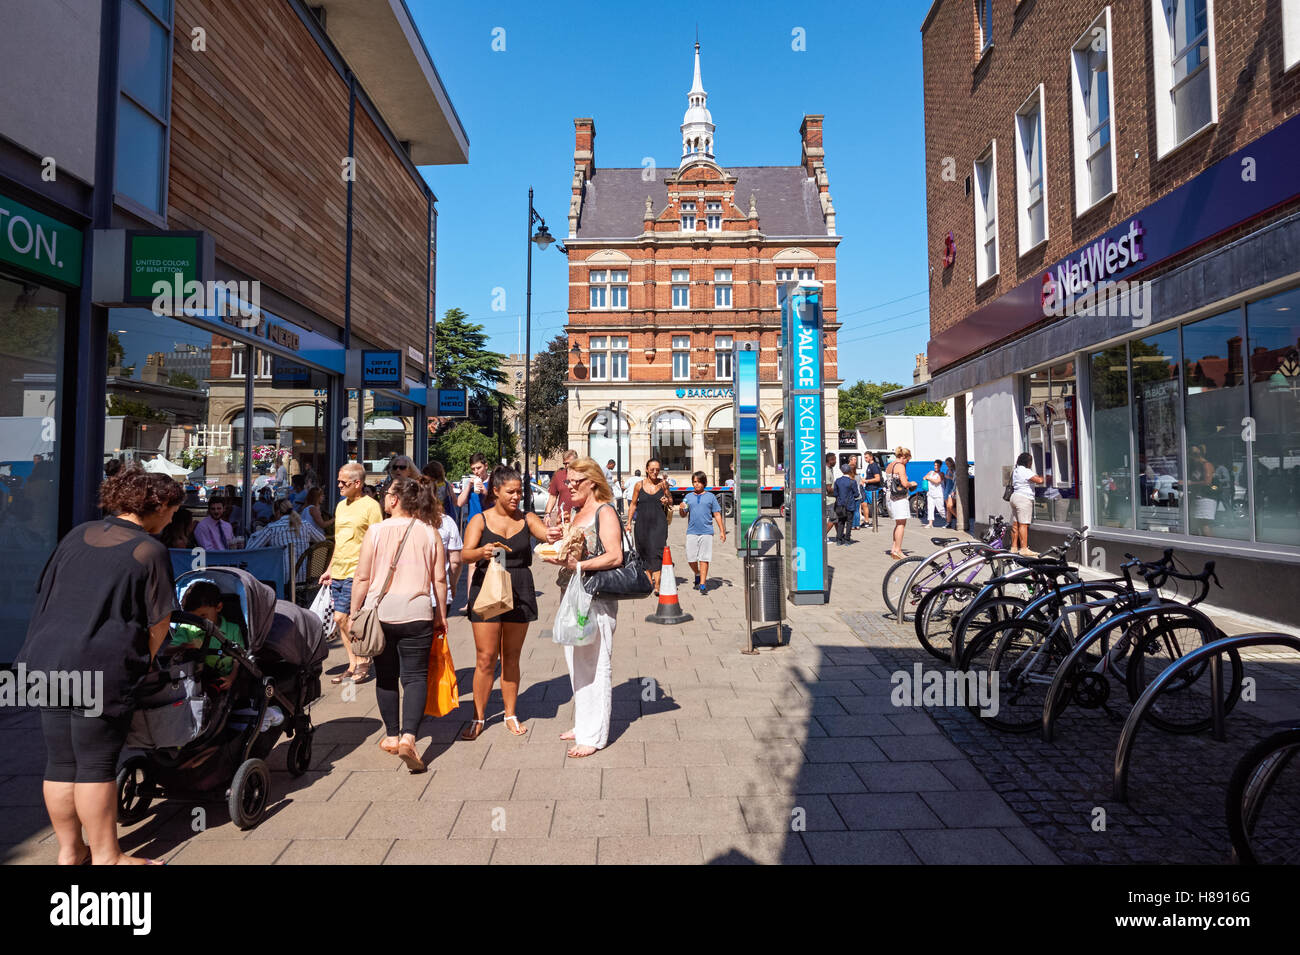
915	575
1264	801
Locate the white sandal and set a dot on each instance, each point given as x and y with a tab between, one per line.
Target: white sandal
523	730
472	724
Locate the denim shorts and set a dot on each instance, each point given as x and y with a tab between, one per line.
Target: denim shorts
341	595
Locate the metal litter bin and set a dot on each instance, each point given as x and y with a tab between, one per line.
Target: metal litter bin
764	578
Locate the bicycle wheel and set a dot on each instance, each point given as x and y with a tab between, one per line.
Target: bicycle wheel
977	616
1263	802
895	578
1184	706
937	614
1022	657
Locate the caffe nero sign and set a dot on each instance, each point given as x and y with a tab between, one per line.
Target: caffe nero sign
37	243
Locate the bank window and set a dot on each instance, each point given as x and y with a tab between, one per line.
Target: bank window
1092	91
1031	187
688	217
1182	42
1157	432
1050	435
986	215
722	353
713	216
722	288
1215	401
681	357
681	288
145	59
1112	466
599	359
984	24
618	358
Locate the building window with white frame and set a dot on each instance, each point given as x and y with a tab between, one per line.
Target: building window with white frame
596	281
618	288
599	359
681	288
722	357
681	357
1092	92
984	19
608	288
688	217
986	215
713	216
618	358
1182	44
791	275
1031	187
722	288
265	361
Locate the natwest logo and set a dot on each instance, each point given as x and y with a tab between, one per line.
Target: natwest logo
1095	262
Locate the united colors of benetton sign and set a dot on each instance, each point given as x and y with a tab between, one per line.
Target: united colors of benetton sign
39	244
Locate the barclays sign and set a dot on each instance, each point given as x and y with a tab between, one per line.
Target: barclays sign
705	392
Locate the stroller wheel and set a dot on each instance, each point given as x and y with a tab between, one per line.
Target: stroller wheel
135	790
249	792
299	756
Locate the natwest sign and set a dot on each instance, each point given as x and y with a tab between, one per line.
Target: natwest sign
1093	263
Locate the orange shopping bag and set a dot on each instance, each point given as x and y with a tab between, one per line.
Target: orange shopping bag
444	694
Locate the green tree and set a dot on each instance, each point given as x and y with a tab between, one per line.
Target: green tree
932	409
862	401
549	395
454	446
462	358
119	406
181	379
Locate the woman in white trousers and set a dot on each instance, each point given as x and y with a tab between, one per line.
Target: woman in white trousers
590	665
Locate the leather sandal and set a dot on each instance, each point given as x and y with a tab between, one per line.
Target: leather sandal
345	675
362	672
407	754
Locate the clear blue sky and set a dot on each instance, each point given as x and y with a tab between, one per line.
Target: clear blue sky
628	65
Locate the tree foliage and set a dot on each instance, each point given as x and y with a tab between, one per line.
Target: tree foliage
126	407
548	396
454	446
462	358
931	409
181	379
862	401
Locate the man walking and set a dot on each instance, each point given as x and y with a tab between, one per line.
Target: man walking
352	518
871	485
701	510
846	501
828	488
559	495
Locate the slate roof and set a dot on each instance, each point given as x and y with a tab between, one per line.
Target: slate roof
613	206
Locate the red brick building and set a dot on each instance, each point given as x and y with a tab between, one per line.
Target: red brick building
669	269
1113	208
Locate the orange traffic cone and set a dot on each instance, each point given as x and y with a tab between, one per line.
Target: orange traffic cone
669	610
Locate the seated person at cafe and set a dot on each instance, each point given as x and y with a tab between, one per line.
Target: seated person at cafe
213	532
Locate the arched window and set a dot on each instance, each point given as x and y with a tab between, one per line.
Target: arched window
671	440
610	439
263	428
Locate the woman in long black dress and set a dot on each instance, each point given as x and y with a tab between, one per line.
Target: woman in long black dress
501	528
650	503
102	607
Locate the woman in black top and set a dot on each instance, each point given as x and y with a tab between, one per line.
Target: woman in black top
501	528
102	607
650	503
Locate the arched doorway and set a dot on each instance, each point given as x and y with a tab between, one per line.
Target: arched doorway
671	436
722	428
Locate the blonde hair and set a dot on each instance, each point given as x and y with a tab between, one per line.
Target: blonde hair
593	473
902	452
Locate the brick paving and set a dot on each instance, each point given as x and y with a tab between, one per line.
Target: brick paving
794	756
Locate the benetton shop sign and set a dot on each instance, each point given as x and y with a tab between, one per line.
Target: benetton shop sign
39	244
1239	187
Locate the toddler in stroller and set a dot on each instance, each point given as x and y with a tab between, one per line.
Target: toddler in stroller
195	742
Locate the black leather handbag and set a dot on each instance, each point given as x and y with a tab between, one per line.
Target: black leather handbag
625	582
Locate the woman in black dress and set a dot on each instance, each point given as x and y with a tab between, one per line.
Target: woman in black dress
651	520
501	528
103	607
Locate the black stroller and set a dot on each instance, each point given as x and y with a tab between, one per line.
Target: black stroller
195	741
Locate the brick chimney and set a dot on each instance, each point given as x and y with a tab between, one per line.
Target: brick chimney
810	132
584	165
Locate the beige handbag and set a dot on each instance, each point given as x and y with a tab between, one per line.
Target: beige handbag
367	630
496	595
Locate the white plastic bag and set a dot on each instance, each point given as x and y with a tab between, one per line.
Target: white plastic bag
575	622
323	607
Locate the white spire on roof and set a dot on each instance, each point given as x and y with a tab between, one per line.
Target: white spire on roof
697	124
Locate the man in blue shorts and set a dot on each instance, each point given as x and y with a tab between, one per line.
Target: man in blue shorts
701	510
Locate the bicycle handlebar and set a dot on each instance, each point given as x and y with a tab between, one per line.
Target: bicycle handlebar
1203	578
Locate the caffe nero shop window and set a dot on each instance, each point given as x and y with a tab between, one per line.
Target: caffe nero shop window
177	403
1197	428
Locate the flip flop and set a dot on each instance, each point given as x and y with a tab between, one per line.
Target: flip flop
345	675
406	753
469	734
523	730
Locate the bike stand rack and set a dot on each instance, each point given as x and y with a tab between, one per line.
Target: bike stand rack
1214	651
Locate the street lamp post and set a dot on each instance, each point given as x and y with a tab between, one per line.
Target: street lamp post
543	238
